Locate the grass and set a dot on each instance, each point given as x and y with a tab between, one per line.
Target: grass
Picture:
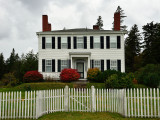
86	116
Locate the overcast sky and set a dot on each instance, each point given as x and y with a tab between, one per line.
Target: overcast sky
21	19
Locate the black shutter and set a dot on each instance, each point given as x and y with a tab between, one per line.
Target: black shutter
107	42
102	42
69	42
53	42
75	42
102	65
59	65
108	64
91	42
69	63
53	65
85	42
43	42
92	63
59	42
118	42
43	65
119	65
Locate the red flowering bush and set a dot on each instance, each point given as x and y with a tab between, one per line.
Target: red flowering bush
32	76
69	74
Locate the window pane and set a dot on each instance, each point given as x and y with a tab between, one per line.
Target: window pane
48	68
64	43
80	42
48	43
97	64
96	42
48	62
64	64
113	42
113	64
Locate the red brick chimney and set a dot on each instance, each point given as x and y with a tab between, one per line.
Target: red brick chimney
45	25
95	27
117	21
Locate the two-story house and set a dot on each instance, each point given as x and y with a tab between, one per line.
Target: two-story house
80	49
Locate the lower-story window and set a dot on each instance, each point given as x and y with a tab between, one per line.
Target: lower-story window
48	65
64	64
97	64
113	65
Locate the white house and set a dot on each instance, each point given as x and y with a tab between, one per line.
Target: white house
80	49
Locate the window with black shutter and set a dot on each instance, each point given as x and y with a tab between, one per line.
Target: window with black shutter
108	64
43	65
59	42
102	42
118	42
43	42
53	42
91	42
53	65
119	65
85	42
59	65
102	65
69	42
69	63
75	42
107	42
92	63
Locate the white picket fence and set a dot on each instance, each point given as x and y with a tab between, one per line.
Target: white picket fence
127	102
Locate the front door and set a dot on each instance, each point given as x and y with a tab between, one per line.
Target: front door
80	69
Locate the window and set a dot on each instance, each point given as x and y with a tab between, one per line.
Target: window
80	42
113	65
113	42
96	42
48	65
64	64
64	43
97	64
48	43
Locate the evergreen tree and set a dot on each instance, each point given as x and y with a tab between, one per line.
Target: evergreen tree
100	22
2	65
151	44
132	48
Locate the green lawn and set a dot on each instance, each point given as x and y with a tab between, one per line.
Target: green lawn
86	116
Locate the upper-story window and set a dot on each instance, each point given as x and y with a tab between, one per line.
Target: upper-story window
96	42
80	42
113	65
48	65
64	44
48	43
113	42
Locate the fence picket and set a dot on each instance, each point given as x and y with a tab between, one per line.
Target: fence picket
148	103
154	102
158	102
144	102
141	102
151	102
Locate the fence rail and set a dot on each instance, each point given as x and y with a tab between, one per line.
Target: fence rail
127	102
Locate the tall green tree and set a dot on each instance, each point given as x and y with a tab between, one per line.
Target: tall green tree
100	22
151	44
132	48
2	65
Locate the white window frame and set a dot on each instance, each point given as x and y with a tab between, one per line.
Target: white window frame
48	64
64	64
96	41
48	43
80	42
97	64
113	41
113	64
64	42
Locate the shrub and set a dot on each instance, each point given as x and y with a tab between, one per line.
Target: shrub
149	75
9	79
126	81
92	74
69	74
112	81
32	76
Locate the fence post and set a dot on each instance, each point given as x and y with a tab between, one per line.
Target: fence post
124	103
66	99
93	98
